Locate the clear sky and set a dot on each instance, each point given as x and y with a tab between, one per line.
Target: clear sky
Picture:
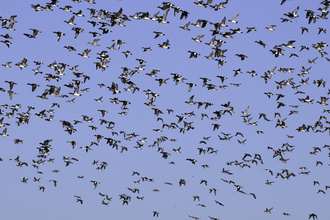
243	143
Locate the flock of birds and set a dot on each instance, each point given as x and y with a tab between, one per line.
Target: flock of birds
65	85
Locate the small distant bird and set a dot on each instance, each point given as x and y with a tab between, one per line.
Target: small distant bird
185	27
70	22
59	34
24	180
283	1
322	30
251	29
34	34
268	210
193	54
219	203
312	215
158	33
4	133
269	183
261	43
85	53
54	181
242	56
165	44
293	14
7	42
254	196
42	188
233	20
127	53
191	102
198	38
271	27
94	43
312	61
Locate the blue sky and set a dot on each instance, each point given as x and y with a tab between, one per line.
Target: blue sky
297	195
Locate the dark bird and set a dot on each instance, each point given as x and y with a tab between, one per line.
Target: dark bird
268	210
70	22
293	14
165	45
59	34
7	42
24	180
155	213
261	43
77	31
219	203
34	34
242	56
158	33
193	54
312	215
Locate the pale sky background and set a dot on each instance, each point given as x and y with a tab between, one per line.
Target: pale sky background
297	195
